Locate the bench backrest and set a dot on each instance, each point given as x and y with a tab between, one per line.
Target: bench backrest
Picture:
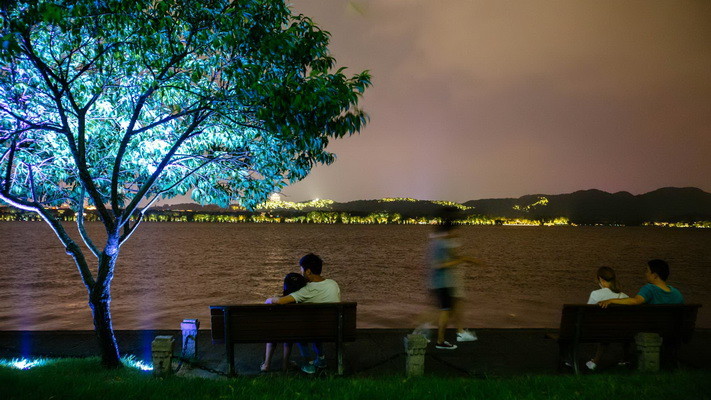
592	323
261	323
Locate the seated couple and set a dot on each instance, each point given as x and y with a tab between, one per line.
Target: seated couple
656	291
307	287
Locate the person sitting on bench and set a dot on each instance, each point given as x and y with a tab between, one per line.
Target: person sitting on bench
656	291
317	290
609	289
292	283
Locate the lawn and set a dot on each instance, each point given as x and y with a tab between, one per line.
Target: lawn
85	379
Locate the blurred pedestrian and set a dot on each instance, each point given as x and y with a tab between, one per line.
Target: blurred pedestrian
447	284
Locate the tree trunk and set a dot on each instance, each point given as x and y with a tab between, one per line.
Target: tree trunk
99	301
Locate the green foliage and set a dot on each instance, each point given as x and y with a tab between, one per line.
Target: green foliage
120	101
80	378
115	104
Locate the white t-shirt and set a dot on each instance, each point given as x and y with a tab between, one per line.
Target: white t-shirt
604	294
326	291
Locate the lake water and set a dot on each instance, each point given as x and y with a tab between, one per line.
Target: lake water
171	271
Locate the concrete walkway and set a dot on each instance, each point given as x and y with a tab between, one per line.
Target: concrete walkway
376	352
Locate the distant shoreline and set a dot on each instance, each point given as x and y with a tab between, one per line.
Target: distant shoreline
326	219
666	207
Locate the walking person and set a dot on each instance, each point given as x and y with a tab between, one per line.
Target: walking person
447	284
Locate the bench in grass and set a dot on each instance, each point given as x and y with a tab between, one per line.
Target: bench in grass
287	323
620	323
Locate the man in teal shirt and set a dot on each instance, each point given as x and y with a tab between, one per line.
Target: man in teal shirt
656	291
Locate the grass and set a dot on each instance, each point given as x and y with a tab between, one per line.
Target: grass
85	379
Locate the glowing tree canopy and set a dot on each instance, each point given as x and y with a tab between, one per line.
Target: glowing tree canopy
115	104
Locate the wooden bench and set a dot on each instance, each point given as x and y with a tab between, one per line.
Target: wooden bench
620	323
288	323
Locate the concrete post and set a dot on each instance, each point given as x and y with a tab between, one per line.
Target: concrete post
648	346
190	333
415	347
162	348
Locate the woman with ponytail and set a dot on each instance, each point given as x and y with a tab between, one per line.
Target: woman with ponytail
609	289
609	286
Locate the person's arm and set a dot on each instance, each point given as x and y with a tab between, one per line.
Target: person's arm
630	301
454	261
281	300
471	260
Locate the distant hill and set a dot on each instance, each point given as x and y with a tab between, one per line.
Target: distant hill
598	207
581	207
677	206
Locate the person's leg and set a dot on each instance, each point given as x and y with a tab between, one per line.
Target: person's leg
320	359
304	351
627	355
318	349
456	314
442	325
429	318
287	355
307	365
599	352
601	349
445	307
268	354
457	318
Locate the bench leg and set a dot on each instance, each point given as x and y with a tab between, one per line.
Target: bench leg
567	353
229	345
339	351
230	350
574	358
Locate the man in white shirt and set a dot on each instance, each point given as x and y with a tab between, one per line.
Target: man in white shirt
317	290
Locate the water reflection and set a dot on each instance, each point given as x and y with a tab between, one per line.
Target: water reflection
171	271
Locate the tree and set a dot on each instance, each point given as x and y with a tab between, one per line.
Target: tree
116	104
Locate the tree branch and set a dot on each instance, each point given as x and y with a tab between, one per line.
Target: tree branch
32	183
197	120
82	229
129	130
168	119
79	157
30	125
10	162
71	247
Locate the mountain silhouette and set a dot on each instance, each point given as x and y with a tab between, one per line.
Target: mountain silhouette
599	207
584	207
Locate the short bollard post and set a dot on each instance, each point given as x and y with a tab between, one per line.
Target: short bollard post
162	348
415	347
648	346
190	331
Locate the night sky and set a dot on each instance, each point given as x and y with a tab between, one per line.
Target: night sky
486	99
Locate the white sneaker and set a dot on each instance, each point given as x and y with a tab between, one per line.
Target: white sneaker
591	365
466	336
446	346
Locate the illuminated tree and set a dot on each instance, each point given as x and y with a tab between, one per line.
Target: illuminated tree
115	104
